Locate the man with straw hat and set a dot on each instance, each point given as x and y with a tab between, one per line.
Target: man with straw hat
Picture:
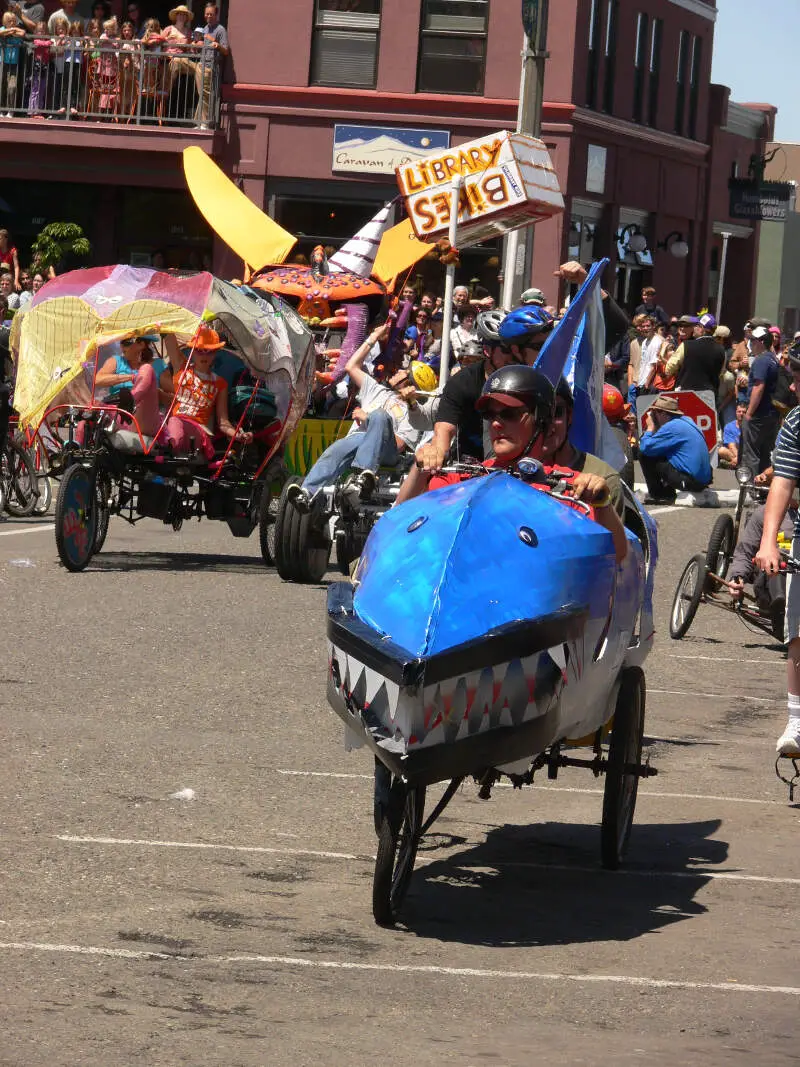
672	452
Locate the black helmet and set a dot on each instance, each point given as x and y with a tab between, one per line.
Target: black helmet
519	385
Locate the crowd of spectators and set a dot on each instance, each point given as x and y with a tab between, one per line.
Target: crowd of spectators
101	69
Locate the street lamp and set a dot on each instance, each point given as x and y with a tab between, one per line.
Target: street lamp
633	238
675	244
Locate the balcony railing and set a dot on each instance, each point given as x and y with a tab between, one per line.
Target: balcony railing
113	81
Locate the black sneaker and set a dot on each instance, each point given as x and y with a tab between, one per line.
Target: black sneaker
298	497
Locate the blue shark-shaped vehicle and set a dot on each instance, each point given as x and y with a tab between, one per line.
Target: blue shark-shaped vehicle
488	628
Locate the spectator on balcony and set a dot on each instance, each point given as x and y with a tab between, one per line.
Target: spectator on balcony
94	30
29	15
58	60
11	35
68	11
73	57
101	11
136	20
127	67
177	43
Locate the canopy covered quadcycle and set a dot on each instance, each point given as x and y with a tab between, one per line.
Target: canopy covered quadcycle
109	465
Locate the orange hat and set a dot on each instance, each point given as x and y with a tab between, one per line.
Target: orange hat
207	339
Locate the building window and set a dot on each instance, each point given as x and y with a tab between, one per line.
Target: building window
609	74
640	63
681	78
344	51
593	57
452	53
694	84
654	73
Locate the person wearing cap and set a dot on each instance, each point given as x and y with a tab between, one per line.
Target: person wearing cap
533	296
760	424
650	308
199	409
703	357
672	453
786	475
132	381
684	331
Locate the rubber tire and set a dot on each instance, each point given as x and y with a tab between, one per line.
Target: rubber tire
72	561
398	840
267	517
619	794
719	552
698	563
102	492
295	559
23	485
45	495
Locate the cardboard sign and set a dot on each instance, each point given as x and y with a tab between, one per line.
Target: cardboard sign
509	181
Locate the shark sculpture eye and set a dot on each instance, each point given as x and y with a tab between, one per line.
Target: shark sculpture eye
415	525
528	536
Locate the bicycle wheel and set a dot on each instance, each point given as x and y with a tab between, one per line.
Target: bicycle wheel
21	481
624	753
76	517
720	546
688	595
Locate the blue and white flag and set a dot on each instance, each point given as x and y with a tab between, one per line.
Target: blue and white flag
576	351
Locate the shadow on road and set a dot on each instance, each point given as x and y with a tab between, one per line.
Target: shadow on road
488	896
120	562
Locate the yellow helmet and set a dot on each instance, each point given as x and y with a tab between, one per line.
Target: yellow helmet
423	376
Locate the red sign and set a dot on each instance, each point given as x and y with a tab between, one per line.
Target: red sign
699	407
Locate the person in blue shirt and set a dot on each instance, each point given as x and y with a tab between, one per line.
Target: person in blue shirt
731	437
673	453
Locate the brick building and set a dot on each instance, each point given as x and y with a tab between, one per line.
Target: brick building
642	142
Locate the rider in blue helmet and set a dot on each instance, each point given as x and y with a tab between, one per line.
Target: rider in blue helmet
516	337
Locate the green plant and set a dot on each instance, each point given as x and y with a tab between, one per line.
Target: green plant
57	240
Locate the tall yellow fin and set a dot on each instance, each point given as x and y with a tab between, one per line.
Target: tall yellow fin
234	218
399	250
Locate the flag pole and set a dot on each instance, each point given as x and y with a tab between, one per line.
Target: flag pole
449	284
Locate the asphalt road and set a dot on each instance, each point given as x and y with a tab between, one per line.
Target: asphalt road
235	928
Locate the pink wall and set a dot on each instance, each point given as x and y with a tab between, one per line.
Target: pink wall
271	41
397	61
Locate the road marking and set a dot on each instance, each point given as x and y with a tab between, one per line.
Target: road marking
28	529
145	843
658	512
733	876
731	986
721	659
646	795
712	696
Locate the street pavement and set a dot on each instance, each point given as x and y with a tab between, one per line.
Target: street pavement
235	927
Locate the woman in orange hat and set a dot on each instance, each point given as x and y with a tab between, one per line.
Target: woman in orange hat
200	409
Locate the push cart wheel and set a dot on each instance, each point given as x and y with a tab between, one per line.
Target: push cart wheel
687	597
301	550
102	495
42	505
625	751
719	552
21	482
76	518
398	839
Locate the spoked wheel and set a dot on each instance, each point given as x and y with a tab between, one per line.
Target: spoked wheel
302	550
45	483
625	751
719	552
398	824
102	494
687	597
22	485
267	516
42	505
76	518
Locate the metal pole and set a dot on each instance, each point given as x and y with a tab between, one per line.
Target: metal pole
720	288
449	285
529	120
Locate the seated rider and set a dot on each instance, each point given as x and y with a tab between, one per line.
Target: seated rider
200	407
769	590
388	420
131	373
517	402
